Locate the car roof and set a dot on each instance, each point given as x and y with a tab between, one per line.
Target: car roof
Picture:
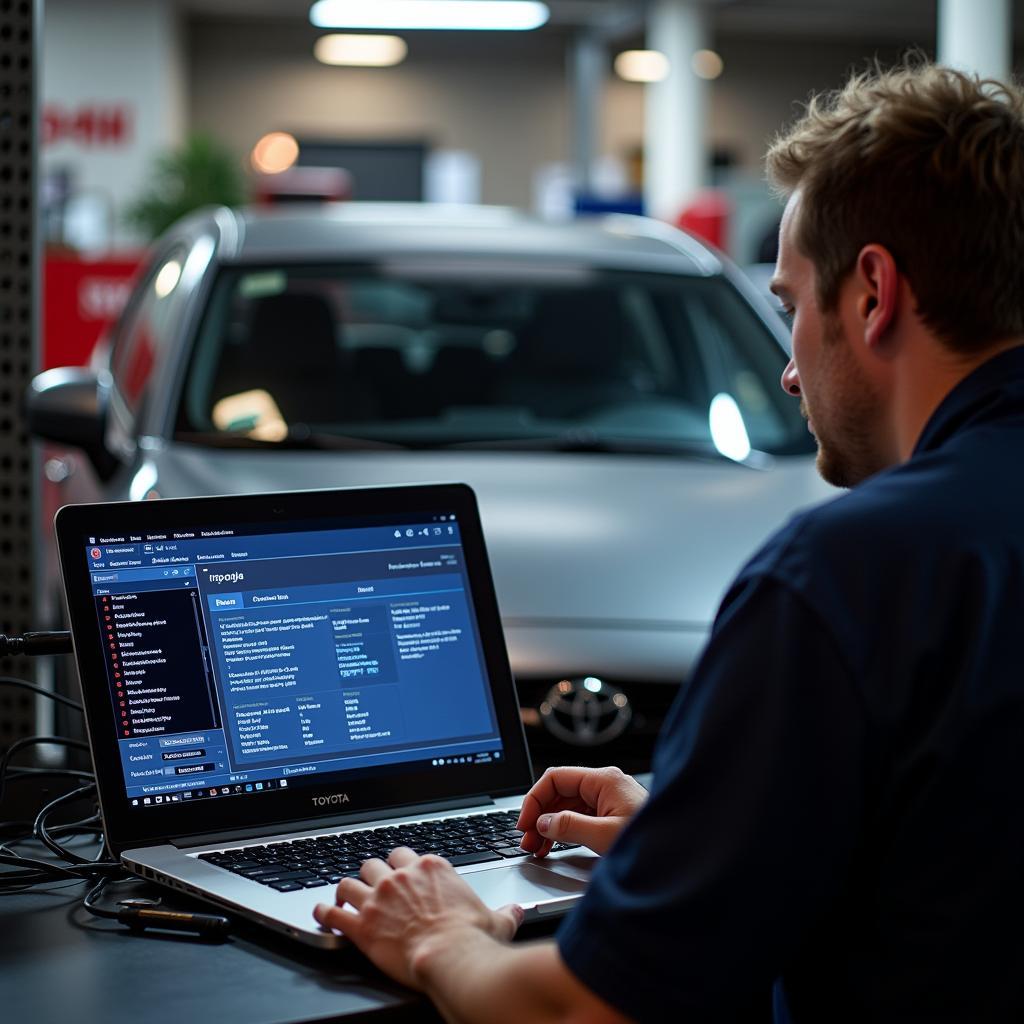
409	230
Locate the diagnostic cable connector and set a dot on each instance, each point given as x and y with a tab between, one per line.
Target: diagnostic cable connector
35	644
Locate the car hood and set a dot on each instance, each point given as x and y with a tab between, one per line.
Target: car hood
574	539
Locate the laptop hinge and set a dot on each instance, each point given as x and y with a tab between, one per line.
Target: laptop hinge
312	824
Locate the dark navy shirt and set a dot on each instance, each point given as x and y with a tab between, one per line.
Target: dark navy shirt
838	800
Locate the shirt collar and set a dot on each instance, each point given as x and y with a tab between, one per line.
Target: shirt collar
991	385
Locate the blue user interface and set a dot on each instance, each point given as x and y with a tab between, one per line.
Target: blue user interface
241	661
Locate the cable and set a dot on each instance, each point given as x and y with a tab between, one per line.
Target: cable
35	644
42	691
38	867
75	867
30	741
19	772
208	926
41	833
35	871
28	871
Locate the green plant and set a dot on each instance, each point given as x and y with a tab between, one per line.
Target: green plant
199	173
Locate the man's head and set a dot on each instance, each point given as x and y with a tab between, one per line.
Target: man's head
906	203
843	403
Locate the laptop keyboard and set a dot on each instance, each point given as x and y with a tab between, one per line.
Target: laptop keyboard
326	860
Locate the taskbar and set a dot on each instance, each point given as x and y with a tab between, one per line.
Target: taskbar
235	788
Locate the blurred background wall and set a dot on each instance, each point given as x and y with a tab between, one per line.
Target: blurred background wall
539	120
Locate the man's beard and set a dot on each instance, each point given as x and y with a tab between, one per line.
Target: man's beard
847	451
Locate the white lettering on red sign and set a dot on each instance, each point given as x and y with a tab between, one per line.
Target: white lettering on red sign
102	298
92	125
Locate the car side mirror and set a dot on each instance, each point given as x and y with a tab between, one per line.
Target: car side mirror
68	405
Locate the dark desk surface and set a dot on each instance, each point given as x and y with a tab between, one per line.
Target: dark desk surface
60	964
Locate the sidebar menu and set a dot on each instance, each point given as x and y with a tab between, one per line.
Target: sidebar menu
155	662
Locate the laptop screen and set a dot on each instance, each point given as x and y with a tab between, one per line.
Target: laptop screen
244	659
239	660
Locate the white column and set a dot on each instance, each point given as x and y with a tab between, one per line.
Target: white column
107	57
587	69
675	148
976	35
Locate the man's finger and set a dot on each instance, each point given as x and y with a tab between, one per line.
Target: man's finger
570	827
340	920
510	917
373	870
554	784
531	842
400	856
351	890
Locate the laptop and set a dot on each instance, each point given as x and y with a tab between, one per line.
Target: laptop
277	686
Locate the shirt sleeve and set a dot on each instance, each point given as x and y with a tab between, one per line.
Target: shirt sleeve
758	795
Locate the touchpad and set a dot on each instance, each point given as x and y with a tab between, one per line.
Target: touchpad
532	882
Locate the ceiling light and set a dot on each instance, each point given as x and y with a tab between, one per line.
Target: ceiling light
505	15
360	51
275	152
706	64
642	65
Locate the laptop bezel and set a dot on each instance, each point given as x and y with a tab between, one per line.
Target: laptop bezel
127	827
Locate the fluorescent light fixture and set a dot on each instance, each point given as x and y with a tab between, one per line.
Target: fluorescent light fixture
728	431
707	64
362	51
275	152
642	65
482	15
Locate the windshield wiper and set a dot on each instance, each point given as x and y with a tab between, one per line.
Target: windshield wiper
296	440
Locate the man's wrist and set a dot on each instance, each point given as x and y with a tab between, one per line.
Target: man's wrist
433	956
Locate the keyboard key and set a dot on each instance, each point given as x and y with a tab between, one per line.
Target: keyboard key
512	851
474	858
262	872
285	886
287	876
313	883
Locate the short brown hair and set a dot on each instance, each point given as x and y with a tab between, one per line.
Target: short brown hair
928	162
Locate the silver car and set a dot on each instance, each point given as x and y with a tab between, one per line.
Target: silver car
608	387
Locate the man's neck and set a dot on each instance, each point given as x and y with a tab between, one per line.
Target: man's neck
927	379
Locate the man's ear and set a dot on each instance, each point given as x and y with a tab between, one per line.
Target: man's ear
878	283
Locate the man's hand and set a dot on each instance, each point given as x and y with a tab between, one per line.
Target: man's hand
590	806
406	907
420	923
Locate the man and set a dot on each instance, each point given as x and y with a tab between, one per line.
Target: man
838	803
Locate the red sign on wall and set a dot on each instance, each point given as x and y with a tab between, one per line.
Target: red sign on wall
94	124
80	300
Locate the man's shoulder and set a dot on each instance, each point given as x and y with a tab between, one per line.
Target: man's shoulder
924	510
836	530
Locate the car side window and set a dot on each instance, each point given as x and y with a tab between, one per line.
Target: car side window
147	325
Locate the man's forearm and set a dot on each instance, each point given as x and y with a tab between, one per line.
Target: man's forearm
474	978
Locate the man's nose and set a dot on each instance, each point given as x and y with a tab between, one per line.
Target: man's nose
791	379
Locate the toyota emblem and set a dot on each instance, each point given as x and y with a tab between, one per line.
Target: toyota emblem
585	712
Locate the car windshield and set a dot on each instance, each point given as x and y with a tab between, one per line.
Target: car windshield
424	357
